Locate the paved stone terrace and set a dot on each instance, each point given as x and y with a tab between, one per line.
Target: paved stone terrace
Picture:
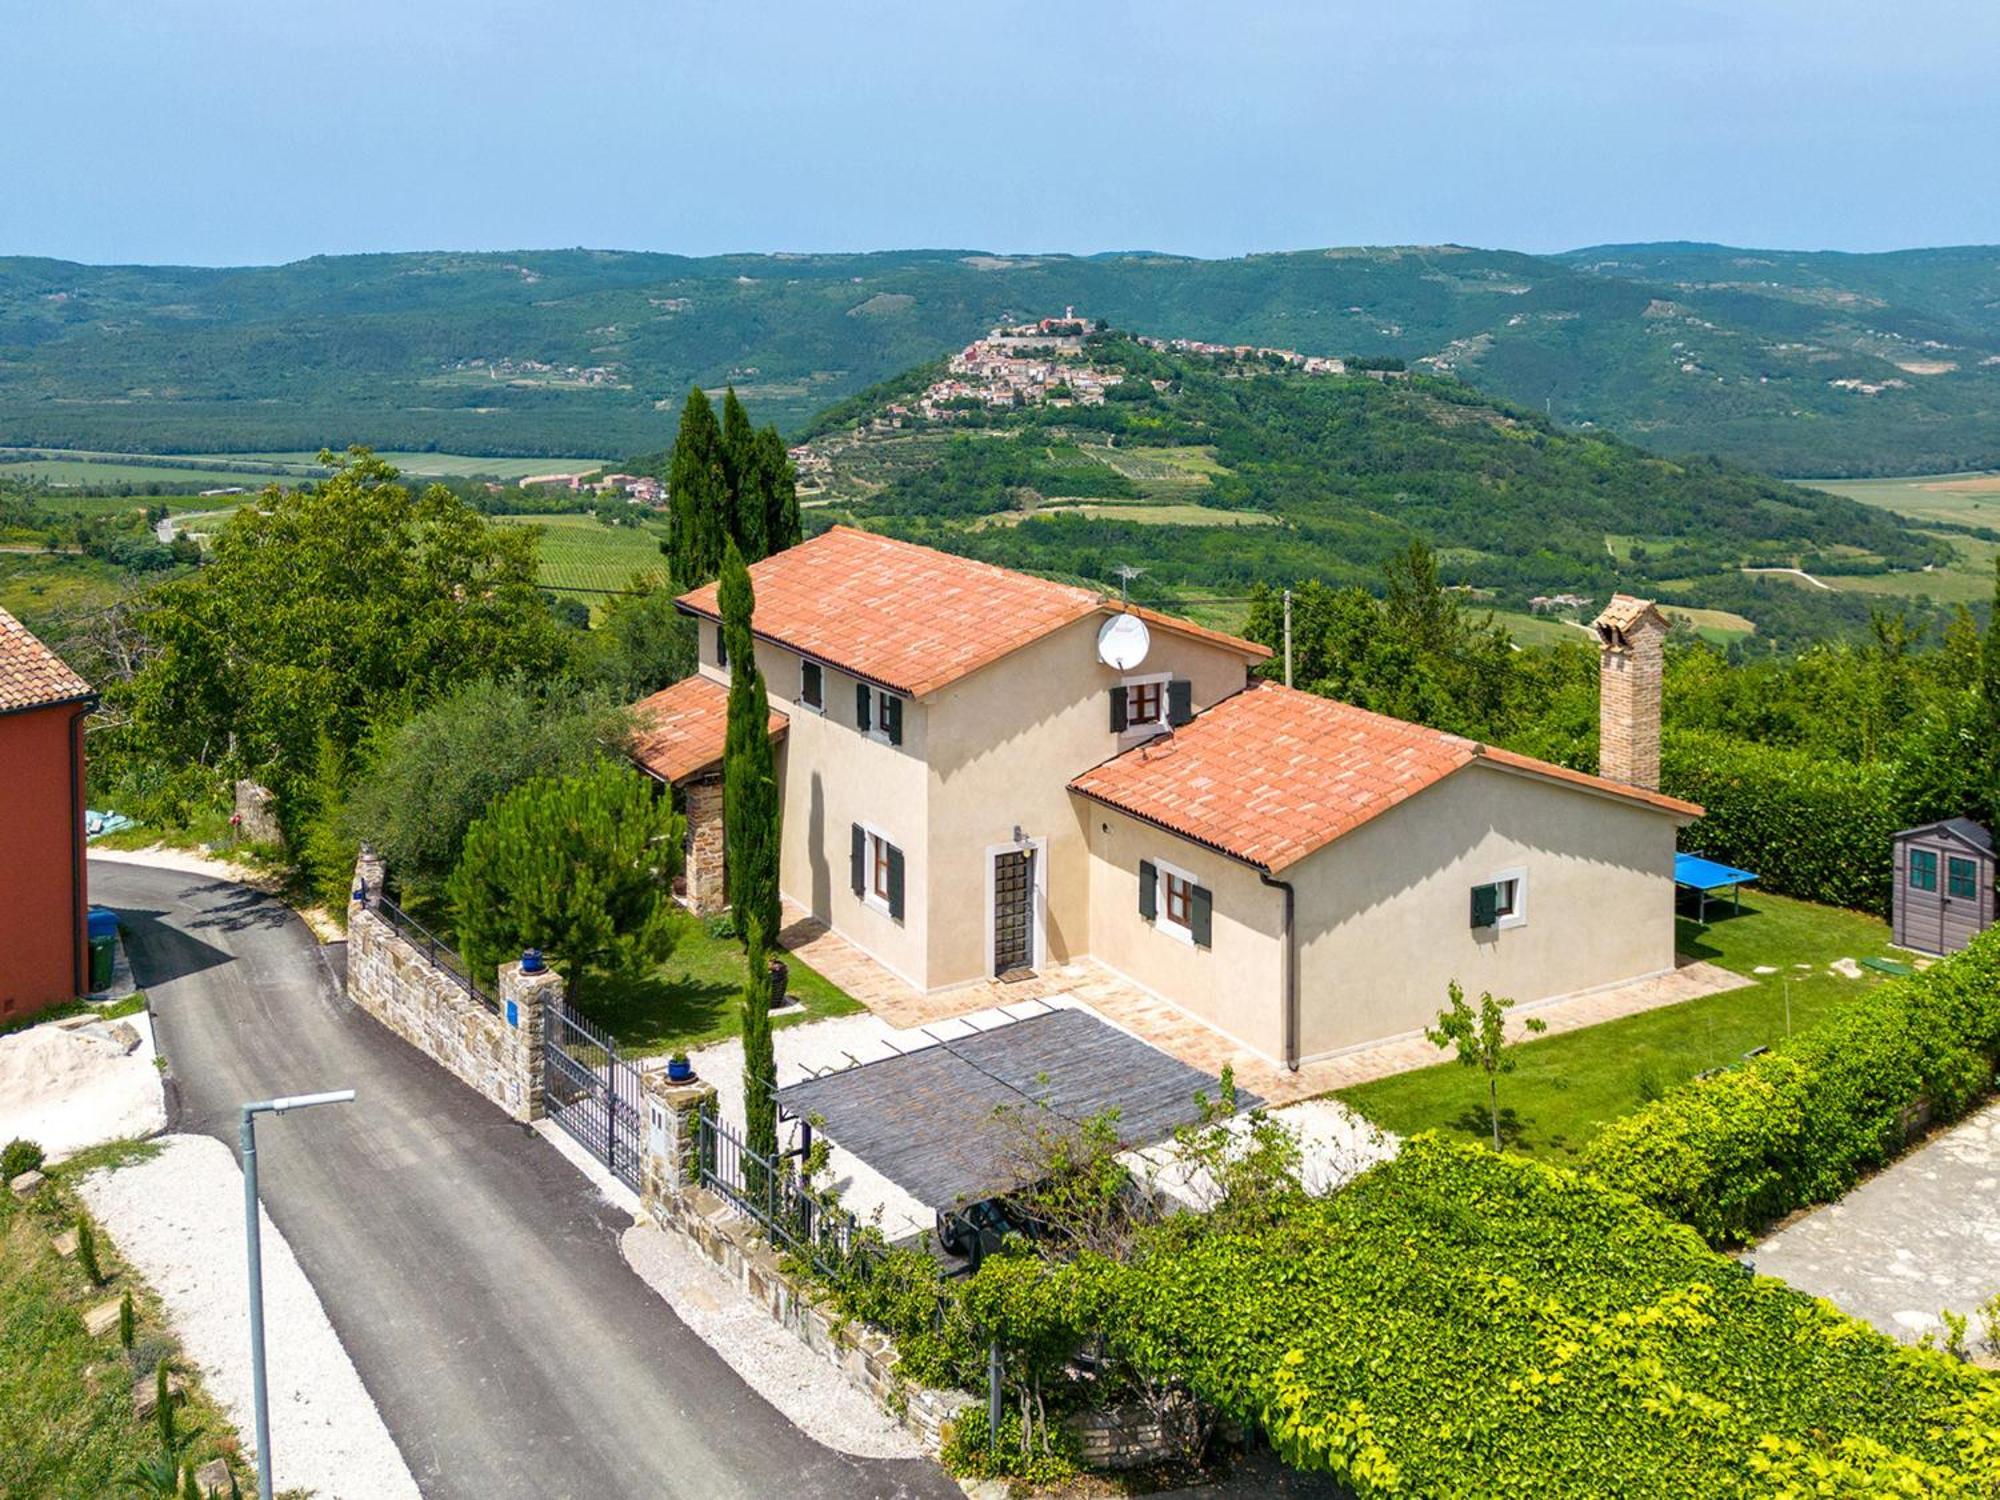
1193	1041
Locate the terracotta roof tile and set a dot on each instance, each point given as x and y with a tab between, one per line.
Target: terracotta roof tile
912	618
1271	774
680	730
31	675
1624	611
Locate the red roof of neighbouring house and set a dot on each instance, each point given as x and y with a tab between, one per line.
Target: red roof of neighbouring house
31	675
1271	774
680	730
912	618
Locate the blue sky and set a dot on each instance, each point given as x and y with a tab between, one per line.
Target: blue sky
253	131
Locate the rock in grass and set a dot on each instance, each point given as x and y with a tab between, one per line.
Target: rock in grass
65	1244
26	1185
102	1318
146	1393
212	1478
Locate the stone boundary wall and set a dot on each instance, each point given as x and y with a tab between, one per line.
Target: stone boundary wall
389	977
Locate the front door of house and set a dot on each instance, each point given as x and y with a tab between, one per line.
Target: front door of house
1013	910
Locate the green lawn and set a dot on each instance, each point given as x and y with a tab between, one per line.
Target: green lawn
1567	1087
693	998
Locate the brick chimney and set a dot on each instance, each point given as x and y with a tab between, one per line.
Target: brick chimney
1630	634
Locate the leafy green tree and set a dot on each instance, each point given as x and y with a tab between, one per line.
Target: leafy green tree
760	1061
430	777
749	776
640	644
1480	1039
577	866
697	496
325	611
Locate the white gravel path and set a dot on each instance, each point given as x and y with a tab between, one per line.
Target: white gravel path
771	1360
179	1219
68	1088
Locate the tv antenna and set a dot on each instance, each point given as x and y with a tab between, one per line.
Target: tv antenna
1126	573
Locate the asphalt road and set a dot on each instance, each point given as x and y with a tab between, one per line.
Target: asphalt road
473	1274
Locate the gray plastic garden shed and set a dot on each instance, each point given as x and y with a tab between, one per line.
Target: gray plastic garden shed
1944	885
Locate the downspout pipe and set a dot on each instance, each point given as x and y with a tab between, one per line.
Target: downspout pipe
1290	960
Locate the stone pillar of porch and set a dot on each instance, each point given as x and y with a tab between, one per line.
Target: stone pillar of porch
705	893
525	998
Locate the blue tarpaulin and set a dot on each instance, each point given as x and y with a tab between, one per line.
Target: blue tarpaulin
1705	875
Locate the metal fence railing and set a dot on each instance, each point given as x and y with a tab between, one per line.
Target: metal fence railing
441	955
593	1093
774	1194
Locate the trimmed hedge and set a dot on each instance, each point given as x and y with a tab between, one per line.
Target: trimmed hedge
1731	1153
1461	1323
1816	829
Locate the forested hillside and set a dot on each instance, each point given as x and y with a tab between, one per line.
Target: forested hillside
1216	474
1797	364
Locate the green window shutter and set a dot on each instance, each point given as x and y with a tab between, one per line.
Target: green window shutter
857	864
1118	710
862	693
1180	702
892	719
721	647
895	882
1485	905
1201	916
811	688
1149	889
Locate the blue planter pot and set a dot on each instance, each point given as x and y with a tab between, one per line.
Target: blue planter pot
679	1070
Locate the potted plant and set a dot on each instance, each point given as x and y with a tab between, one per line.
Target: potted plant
679	1069
781	975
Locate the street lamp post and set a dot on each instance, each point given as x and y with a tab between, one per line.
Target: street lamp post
253	1243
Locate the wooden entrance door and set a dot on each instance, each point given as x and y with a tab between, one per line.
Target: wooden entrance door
1013	910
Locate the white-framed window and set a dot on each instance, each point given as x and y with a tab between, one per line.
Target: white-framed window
878	870
881	714
1145	703
812	685
877	874
1174	902
1504	897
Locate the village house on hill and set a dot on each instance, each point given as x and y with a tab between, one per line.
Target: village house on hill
970	789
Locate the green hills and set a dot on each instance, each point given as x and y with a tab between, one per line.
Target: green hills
1216	473
1802	364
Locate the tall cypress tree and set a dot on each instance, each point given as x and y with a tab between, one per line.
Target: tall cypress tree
741	477
749	777
778	483
697	496
760	1061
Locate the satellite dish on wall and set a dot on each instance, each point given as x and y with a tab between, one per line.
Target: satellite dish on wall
1123	642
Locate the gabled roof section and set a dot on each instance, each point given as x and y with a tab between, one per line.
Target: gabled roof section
31	675
1963	829
911	618
1273	775
680	730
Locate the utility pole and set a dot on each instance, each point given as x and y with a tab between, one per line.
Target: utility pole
1288	637
254	1243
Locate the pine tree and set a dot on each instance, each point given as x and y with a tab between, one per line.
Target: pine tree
779	485
749	777
742	478
697	496
760	1063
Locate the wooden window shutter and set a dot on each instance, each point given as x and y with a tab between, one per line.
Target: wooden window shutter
862	694
1485	905
895	882
721	647
1201	916
1180	702
857	864
1149	889
892	719
1118	710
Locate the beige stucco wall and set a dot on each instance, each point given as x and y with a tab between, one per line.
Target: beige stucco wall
993	750
1234	984
1384	913
1004	744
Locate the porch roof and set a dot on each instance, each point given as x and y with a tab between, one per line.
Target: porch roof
679	731
956	1122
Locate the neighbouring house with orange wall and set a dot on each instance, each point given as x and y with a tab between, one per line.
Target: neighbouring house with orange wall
982	772
43	901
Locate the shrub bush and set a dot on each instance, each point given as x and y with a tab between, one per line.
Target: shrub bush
1814	828
18	1157
1730	1153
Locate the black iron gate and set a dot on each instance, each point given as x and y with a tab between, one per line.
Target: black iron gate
593	1093
1013	910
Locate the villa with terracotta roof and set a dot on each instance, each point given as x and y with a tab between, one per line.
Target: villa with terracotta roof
984	773
43	905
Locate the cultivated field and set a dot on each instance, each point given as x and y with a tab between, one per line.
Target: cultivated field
200	471
1953	499
581	552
